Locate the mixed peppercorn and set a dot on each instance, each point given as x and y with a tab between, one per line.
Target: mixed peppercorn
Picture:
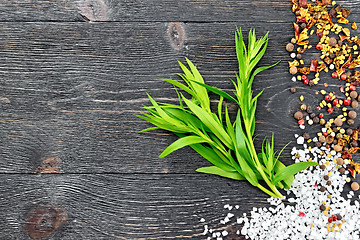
339	55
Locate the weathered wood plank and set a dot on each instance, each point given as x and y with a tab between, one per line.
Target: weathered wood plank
113	206
72	90
145	11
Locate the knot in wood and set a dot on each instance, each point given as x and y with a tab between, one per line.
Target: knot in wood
44	220
176	35
49	165
92	10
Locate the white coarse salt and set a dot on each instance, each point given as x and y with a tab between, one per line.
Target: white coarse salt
302	126
300	140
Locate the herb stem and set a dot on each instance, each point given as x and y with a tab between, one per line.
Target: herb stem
258	164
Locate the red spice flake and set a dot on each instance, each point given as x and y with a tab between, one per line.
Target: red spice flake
320	33
352	172
343	77
352	88
318	108
304	70
330	219
315	185
321	115
347	63
319	46
334	75
335	101
313	66
301	20
327	98
343	38
301	214
306	81
346	156
301	121
330	110
297	31
325	134
342	89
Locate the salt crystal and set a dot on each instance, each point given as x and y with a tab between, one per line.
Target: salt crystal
300	140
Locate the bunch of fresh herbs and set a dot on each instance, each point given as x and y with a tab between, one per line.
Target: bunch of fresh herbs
228	145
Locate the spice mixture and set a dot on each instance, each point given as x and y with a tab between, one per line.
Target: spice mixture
316	206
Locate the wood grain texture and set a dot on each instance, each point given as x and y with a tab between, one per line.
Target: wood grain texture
73	92
72	76
114	206
148	11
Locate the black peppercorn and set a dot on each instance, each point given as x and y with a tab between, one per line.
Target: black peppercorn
316	120
306	136
322	167
328	183
322	207
326	177
322	189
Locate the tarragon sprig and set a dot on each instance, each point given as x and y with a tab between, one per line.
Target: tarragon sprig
228	145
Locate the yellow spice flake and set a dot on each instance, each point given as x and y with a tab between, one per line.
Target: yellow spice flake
301	98
353	26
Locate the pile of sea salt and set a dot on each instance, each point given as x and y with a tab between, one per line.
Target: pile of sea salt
298	216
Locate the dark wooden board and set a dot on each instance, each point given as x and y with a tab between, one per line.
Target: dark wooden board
115	206
75	94
72	76
145	11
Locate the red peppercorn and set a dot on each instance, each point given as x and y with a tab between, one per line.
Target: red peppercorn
306	81
352	88
334	75
304	77
324	134
301	121
330	110
321	115
327	98
335	101
319	46
347	102
301	214
334	217
343	77
330	219
318	108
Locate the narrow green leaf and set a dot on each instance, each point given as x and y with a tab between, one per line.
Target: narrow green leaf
213	156
248	173
217	91
178	84
291	170
210	122
220	108
180	143
148	129
218	171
